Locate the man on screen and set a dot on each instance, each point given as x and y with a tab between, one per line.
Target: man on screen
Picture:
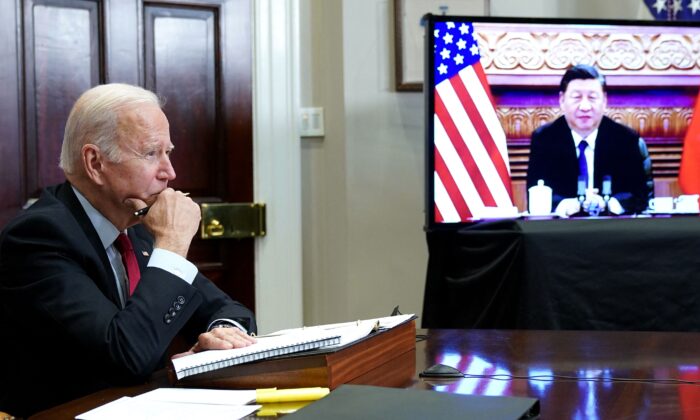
583	147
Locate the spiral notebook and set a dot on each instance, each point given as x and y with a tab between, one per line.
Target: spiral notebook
265	347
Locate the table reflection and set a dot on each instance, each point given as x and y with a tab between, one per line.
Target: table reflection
576	375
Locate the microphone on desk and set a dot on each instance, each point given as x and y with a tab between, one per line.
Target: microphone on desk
606	193
581	190
581	194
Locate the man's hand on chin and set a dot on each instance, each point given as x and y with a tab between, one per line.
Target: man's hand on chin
173	219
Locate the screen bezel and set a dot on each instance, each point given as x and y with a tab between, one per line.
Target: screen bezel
428	90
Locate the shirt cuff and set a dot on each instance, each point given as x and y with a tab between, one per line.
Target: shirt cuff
614	206
218	322
173	264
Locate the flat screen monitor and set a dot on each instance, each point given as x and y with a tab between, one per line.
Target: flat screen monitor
491	82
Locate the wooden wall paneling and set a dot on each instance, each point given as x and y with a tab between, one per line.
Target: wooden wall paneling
188	54
180	66
62	60
237	83
123	41
12	191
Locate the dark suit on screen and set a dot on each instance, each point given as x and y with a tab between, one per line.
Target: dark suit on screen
62	328
553	159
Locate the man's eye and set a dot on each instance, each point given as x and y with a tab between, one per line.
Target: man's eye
151	154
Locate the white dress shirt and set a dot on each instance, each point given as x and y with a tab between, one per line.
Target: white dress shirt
160	258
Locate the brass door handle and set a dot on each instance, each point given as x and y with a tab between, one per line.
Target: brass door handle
214	228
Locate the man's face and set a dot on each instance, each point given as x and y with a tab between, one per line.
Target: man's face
144	169
583	105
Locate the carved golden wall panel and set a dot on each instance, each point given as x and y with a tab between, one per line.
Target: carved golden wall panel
520	49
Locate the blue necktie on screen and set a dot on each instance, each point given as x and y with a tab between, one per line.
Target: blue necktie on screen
582	163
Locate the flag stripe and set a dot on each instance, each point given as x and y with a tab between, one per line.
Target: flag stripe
479	71
457	170
451	188
438	215
468	137
480	117
464	153
489	112
443	203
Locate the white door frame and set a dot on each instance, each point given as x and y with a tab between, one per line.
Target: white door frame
277	163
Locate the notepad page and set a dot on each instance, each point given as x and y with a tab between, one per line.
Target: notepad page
352	331
265	347
386	322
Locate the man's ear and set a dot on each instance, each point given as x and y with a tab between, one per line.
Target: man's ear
93	163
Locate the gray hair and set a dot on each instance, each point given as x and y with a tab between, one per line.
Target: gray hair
94	119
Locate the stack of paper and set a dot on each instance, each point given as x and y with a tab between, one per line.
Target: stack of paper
179	403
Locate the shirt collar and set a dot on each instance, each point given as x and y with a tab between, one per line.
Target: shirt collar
590	139
105	229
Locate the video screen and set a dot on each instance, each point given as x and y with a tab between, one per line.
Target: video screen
555	118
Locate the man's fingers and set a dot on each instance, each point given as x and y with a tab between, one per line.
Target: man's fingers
234	335
135	203
223	338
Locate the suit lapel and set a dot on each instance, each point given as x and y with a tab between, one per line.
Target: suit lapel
602	152
65	194
569	161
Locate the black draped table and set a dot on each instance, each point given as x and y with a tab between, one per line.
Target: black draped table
583	274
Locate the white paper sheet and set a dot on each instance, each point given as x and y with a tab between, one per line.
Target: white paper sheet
200	396
145	409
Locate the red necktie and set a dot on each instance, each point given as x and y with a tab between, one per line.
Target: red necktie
123	244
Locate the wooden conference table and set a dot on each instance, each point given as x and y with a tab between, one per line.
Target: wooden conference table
604	374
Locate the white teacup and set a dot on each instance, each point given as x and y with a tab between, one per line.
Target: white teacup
661	204
688	203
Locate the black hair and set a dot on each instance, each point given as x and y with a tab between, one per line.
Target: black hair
583	72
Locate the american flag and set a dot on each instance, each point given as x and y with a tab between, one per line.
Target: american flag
472	175
674	9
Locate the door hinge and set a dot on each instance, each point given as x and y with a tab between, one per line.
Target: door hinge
232	220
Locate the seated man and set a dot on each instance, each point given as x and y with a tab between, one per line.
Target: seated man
585	143
91	294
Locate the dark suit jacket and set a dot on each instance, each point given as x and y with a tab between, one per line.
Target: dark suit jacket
553	159
63	333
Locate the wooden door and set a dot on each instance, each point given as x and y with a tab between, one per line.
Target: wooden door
197	54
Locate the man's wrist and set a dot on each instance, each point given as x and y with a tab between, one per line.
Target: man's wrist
226	323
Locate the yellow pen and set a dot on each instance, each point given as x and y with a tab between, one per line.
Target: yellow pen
274	395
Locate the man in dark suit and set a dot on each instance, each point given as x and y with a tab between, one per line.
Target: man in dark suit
608	148
79	310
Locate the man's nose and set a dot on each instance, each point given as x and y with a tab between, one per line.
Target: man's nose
166	169
585	104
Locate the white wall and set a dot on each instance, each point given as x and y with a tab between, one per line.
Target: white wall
594	9
364	249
